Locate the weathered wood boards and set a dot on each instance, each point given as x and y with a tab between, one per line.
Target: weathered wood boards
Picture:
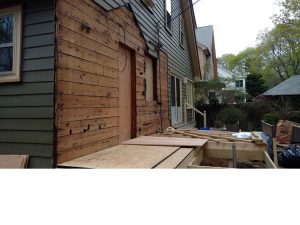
176	159
166	141
89	107
124	156
13	161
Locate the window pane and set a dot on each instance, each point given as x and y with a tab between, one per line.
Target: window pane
6	29
173	97
6	59
178	92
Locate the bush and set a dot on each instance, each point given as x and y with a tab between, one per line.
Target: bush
271	118
232	115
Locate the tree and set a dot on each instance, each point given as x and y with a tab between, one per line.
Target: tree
255	85
280	50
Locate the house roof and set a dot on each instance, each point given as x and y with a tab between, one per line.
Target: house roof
204	36
224	73
290	86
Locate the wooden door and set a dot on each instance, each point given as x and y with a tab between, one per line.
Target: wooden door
125	94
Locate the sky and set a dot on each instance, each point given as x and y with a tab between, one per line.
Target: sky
236	22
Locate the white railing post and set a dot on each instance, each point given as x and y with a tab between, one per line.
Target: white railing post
205	121
197	111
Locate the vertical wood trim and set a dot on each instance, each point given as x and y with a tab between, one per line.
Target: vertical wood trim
133	95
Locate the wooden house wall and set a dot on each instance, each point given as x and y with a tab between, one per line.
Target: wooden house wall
88	39
202	61
27	107
179	59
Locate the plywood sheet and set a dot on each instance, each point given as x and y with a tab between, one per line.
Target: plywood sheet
123	156
13	161
175	159
166	141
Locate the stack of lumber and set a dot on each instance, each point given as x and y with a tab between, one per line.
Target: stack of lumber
144	152
217	136
13	161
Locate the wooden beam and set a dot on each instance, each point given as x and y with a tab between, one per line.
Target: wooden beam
275	152
268	162
166	141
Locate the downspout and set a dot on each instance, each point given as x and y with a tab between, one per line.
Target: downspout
159	71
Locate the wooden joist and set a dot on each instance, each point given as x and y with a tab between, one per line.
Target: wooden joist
166	141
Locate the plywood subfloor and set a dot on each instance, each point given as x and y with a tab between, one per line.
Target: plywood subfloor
124	156
175	159
166	141
13	161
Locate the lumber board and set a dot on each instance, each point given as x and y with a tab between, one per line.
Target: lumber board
268	162
166	141
13	161
199	157
246	155
204	167
187	161
239	146
175	159
123	156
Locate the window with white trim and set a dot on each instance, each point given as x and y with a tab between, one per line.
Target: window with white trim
239	83
181	31
168	15
10	44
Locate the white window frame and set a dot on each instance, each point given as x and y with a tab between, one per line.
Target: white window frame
168	12
190	93
14	75
181	32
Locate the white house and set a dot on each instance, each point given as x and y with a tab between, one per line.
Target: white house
233	81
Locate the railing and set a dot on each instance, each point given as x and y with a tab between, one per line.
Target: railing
197	111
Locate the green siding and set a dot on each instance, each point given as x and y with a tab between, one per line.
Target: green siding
27	107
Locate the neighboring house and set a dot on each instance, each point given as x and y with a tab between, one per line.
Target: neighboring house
233	81
289	87
79	76
207	52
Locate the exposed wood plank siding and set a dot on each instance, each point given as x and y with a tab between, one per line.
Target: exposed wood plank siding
27	107
88	78
179	59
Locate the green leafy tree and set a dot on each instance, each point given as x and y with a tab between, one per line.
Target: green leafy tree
255	85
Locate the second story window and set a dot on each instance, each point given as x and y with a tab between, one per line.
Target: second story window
239	83
181	31
168	14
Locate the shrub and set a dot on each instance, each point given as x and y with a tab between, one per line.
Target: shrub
271	118
232	115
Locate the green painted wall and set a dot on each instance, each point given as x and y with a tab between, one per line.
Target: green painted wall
27	107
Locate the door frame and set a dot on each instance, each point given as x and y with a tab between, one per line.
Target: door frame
133	90
181	101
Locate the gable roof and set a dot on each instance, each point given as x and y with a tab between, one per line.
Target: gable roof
290	86
205	35
224	73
